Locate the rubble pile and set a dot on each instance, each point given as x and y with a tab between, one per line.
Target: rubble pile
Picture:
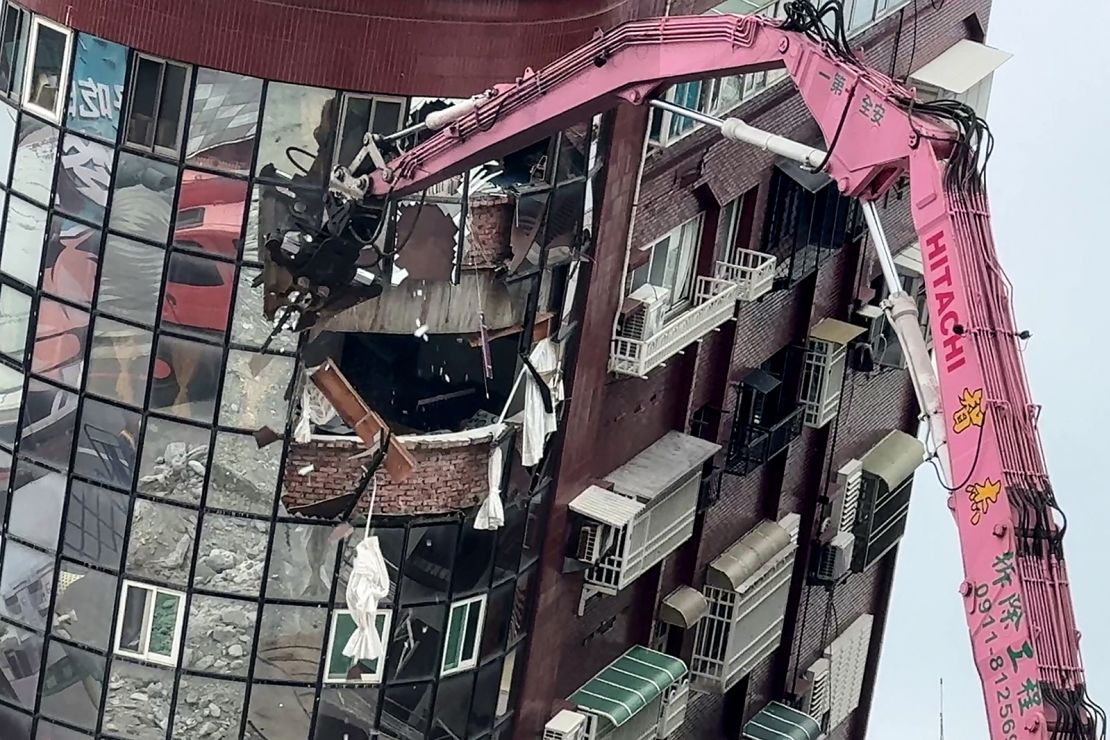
232	554
220	635
177	475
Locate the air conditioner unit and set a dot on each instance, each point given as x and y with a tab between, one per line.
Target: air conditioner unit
650	316
843	500
834	560
873	319
567	725
817	698
594	540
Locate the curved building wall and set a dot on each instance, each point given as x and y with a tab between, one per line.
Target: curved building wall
152	581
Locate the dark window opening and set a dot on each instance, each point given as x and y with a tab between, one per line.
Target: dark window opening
156	108
13	48
362	114
768	416
48	68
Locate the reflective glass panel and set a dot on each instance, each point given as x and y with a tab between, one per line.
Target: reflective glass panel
280	711
25	583
350	712
96	97
47	70
250	326
298	124
221	632
408	708
254	390
60	338
224	122
161	543
483	706
427	568
14	723
11	394
36	504
35	154
475	562
72	254
138	703
142	201
72	685
84	605
46	431
7	140
390	540
194	717
518	620
453	706
95	523
414	651
106	443
244	477
499	610
17	25
210	213
24	232
20	658
290	642
232	553
294	546
130	279
83	179
175	458
15	315
50	731
119	361
198	295
186	375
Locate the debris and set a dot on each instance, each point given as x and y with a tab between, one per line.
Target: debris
306	469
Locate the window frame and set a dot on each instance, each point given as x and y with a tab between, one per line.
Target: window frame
680	301
364	679
345	98
19	58
148	622
183	120
465	663
37	23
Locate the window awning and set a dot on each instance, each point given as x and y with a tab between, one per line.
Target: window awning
835	331
662	466
964	65
779	722
684	607
894	458
750	553
909	260
761	380
811	181
606	507
628	684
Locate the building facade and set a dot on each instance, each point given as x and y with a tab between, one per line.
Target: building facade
711	504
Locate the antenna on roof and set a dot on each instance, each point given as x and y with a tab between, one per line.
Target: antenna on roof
942	708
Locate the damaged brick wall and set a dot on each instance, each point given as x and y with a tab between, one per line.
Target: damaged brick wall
489	228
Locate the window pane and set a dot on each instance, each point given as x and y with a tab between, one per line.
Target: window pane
453	706
499	608
186	374
210	213
72	254
164	624
17	28
198	296
143	197
475	562
244	477
47	78
509	539
408	708
130	279
16	724
221	632
24	232
250	326
11	393
138	702
456	626
36	504
35	155
161	543
175	458
350	712
224	122
194	718
301	117
7	133
233	551
280	711
83	179
119	361
143	105
84	606
484	706
414	652
518	621
50	731
356	122
135	602
342	668
25	584
431	553
175	82
290	643
106	443
95	523
20	658
15	315
302	562
46	431
59	349
72	685
97	93
254	390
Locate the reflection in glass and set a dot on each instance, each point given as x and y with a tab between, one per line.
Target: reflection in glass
221	632
25	583
36	504
106	443
279	711
72	685
186	374
16	724
24	232
46	430
407	707
11	395
96	97
35	154
83	179
50	731
60	337
414	652
175	457
298	124
254	390
347	712
20	658
390	539
484	704
7	140
363	113
95	522
15	316
143	197
84	605
290	642
518	620
210	214
452	706
46	78
296	545
224	123
250	326
72	254
17	24
244	476
427	568
191	716
119	361
161	542
142	717
499	609
198	295
130	279
232	553
472	571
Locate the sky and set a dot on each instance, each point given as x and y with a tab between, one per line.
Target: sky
1050	196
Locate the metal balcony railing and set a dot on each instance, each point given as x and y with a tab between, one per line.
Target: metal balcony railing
753	273
752	445
714	304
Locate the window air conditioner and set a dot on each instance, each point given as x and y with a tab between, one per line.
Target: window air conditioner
816	700
594	540
843	501
567	725
834	560
650	316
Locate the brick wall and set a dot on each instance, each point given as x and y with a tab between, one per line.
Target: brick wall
489	226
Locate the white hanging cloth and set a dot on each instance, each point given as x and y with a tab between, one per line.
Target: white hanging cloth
538	423
491	514
368	584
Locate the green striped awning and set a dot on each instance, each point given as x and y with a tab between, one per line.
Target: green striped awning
779	722
628	684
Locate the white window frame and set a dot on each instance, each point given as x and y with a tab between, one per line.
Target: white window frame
183	121
364	679
680	300
148	620
374	99
466	662
38	23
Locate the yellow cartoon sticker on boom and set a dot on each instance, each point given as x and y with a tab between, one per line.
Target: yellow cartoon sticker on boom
982	495
970	414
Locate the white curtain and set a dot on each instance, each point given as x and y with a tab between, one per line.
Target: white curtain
538	423
491	514
368	585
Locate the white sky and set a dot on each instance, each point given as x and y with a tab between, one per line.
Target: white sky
1050	113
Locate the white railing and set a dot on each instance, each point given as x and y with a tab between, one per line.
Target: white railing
753	273
714	304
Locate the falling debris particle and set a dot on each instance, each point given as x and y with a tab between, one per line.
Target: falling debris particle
398	275
447	377
421	331
306	469
265	437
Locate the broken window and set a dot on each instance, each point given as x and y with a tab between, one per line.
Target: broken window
150	622
156	105
49	51
376	114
